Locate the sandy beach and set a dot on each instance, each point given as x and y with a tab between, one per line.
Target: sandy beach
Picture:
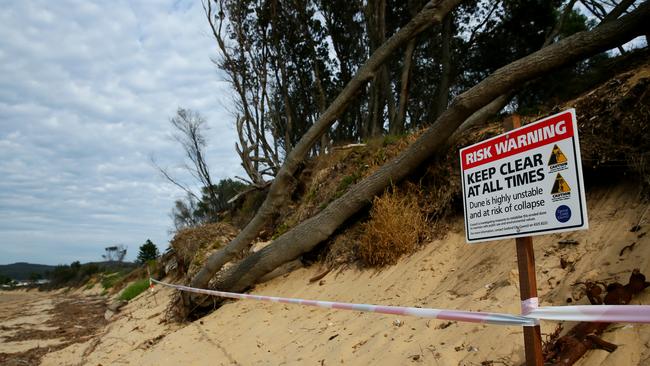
35	323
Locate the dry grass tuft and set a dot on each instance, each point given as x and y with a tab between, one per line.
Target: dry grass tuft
192	245
341	251
329	176
395	228
613	120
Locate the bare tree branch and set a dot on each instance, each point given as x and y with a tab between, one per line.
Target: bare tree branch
167	176
618	10
550	38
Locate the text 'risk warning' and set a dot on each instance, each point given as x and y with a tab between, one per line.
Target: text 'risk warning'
527	181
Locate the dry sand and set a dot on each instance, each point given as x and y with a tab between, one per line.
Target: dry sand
446	273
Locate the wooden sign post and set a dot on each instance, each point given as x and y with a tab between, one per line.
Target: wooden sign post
527	279
526	181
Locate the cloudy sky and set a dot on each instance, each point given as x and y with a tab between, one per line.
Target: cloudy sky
86	92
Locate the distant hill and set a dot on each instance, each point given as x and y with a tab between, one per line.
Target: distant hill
21	270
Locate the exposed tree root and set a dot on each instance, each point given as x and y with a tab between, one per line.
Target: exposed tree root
319	276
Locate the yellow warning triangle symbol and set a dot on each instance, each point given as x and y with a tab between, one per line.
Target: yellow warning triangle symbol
560	185
557	156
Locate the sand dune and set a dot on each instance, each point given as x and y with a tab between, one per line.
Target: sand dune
446	273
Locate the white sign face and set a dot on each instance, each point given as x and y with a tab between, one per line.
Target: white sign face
525	182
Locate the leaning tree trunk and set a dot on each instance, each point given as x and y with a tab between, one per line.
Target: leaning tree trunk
442	94
397	125
431	14
314	230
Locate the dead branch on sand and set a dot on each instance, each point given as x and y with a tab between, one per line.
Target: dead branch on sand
569	348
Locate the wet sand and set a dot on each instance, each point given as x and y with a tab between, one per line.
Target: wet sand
35	323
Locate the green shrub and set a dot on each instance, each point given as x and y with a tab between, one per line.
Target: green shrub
110	279
152	265
391	139
281	229
134	289
311	195
346	182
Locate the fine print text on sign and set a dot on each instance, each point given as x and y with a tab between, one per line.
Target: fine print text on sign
525	182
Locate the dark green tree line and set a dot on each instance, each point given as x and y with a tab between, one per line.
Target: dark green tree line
286	59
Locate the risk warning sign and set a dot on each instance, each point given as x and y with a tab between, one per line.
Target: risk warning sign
525	182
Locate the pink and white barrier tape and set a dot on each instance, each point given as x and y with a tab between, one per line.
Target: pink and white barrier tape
532	313
587	313
464	316
594	313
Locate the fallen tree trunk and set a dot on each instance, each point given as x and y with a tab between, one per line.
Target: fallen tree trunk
585	336
314	230
431	14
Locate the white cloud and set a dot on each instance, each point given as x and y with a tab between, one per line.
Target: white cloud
85	97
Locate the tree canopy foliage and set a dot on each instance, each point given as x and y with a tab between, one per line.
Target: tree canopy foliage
114	253
190	212
148	251
288	59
